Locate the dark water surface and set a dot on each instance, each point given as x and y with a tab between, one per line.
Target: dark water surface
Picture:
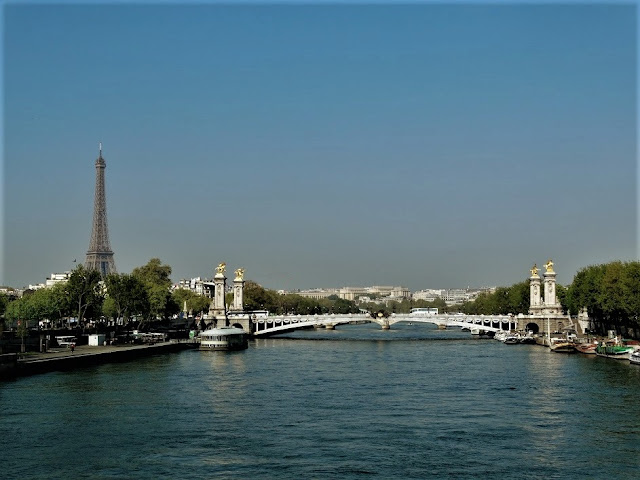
413	402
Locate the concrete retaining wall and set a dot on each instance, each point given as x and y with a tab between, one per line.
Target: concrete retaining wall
79	360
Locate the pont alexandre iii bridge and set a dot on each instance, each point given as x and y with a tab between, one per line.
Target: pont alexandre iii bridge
275	324
545	313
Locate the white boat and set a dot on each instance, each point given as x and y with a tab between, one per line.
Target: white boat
501	335
224	338
635	357
512	339
527	339
481	332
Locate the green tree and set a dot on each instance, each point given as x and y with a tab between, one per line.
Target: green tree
584	292
562	297
199	304
195	303
631	289
18	312
519	298
126	297
14	312
61	305
156	280
109	308
258	298
85	292
154	273
4	301
611	294
23	331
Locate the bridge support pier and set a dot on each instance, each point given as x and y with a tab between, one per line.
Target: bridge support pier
330	326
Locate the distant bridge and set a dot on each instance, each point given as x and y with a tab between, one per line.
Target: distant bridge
275	324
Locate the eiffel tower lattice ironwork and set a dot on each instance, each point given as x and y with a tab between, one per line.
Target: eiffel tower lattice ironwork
100	255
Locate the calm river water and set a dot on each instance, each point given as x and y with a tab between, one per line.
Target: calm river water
358	402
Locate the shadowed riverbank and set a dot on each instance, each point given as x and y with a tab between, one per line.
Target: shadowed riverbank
15	365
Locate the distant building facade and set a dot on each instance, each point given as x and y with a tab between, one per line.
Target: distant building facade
197	285
52	280
355	293
428	295
57	278
453	296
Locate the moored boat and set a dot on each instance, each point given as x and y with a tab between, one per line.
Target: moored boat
635	357
563	347
225	338
511	339
501	335
617	351
586	348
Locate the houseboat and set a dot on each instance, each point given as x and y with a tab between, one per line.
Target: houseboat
224	338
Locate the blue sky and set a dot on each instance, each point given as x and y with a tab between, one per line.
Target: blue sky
424	145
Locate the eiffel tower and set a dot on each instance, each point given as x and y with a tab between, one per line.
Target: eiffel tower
99	255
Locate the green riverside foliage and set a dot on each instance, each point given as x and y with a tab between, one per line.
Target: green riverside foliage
126	297
4	300
611	295
505	300
156	280
85	293
80	297
609	292
195	303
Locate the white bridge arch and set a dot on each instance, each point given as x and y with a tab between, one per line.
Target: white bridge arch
275	324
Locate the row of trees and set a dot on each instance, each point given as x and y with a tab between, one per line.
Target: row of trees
143	295
609	292
504	300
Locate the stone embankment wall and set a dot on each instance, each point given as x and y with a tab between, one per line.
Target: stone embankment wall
89	356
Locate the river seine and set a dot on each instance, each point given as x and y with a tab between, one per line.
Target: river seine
357	402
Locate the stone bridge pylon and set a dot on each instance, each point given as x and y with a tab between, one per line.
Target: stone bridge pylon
545	313
219	316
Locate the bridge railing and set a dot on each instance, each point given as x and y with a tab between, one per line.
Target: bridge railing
276	323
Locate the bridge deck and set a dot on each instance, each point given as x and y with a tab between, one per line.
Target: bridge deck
284	323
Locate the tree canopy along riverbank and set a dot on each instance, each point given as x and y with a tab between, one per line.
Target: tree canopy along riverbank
610	293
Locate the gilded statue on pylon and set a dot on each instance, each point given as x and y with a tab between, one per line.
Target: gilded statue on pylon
549	266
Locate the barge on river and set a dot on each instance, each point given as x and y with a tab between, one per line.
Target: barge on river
224	338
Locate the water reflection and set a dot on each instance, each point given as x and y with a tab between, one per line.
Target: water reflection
407	403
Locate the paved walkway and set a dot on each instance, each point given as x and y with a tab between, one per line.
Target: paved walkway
61	352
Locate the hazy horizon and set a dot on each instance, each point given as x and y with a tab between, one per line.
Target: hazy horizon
319	146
